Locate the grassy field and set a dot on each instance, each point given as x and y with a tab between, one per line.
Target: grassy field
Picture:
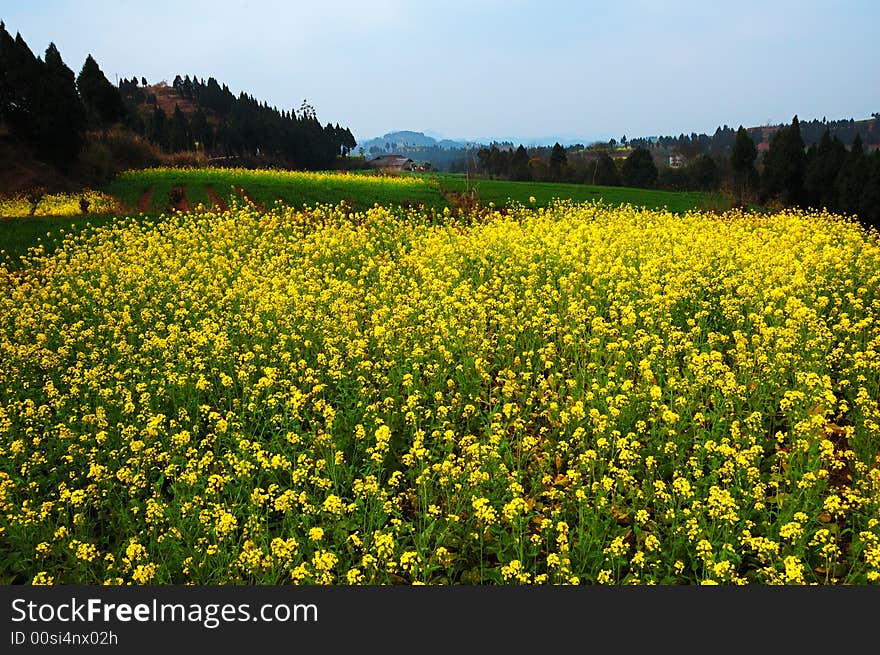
582	394
56	216
501	192
18	235
60	214
265	187
150	191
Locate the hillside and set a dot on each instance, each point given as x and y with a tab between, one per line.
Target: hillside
195	115
81	128
167	98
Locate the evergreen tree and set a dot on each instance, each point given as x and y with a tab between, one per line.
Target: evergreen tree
180	131
869	201
852	178
157	128
558	162
20	71
348	141
7	47
785	166
493	161
704	174
200	129
604	171
102	100
639	169
38	100
519	164
742	159
823	165
59	114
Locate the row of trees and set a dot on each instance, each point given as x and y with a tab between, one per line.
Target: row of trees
45	106
594	166
558	164
48	109
827	175
225	125
721	142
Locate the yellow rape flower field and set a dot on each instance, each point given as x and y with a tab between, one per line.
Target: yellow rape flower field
575	394
58	204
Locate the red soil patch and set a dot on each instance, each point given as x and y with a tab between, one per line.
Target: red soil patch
179	199
144	202
167	97
216	200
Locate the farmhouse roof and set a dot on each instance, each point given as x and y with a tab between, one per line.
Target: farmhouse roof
390	159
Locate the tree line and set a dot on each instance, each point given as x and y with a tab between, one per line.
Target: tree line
721	142
579	165
44	106
226	125
827	175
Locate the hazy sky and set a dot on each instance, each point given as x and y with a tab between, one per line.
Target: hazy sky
493	68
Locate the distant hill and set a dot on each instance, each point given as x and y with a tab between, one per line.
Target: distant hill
194	115
409	142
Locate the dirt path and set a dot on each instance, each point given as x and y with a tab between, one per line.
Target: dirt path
144	202
216	200
178	198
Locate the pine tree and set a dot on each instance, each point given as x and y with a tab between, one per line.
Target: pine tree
157	129
102	100
852	178
38	100
59	114
639	169
869	201
785	166
558	162
348	141
180	131
7	45
742	159
704	174
519	165
823	165
605	172
21	72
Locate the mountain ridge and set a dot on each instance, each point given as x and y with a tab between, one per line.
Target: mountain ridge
411	139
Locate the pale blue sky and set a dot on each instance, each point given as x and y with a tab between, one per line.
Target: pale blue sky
493	68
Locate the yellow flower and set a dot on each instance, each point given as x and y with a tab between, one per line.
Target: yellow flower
334	505
191	394
144	573
42	578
